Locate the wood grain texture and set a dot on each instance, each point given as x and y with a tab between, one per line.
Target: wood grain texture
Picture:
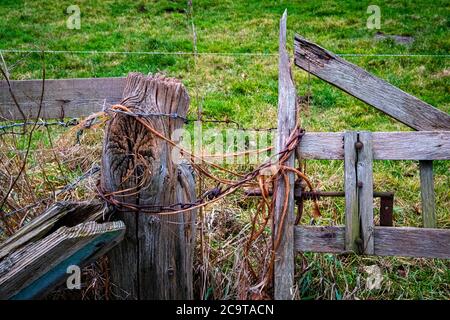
388	241
427	194
35	268
422	145
319	239
72	98
354	80
352	225
364	173
322	146
158	249
59	214
284	256
412	242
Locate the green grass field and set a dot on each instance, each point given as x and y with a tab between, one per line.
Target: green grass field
233	83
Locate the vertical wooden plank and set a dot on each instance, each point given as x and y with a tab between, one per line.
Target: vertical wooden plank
352	233
139	169
284	255
365	190
427	194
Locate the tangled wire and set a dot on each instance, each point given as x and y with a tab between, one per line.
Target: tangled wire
266	177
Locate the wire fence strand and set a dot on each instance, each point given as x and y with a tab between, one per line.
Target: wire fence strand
186	53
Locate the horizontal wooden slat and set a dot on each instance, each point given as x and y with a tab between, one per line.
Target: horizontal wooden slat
319	239
72	98
412	242
388	241
322	146
422	145
374	91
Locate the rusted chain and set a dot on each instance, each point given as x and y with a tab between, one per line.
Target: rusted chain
265	208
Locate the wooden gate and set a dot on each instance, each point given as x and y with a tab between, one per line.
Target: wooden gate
358	150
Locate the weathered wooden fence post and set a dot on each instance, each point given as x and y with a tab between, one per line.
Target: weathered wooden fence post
284	256
155	259
352	225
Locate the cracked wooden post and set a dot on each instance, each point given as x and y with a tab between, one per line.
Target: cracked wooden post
284	256
155	259
364	175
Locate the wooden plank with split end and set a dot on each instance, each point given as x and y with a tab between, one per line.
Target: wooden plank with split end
72	98
284	254
372	90
322	146
60	213
31	271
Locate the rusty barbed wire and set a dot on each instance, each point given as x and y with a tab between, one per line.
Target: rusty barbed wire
76	121
276	164
68	123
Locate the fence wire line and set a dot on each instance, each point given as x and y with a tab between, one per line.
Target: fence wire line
76	121
71	122
184	53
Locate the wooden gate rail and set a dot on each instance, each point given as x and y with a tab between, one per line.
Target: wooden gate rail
71	98
381	241
358	150
388	241
407	145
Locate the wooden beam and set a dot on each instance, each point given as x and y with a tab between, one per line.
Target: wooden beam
422	145
388	241
354	80
365	190
33	270
284	255
157	248
322	146
412	242
352	229
59	214
320	239
72	98
427	194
